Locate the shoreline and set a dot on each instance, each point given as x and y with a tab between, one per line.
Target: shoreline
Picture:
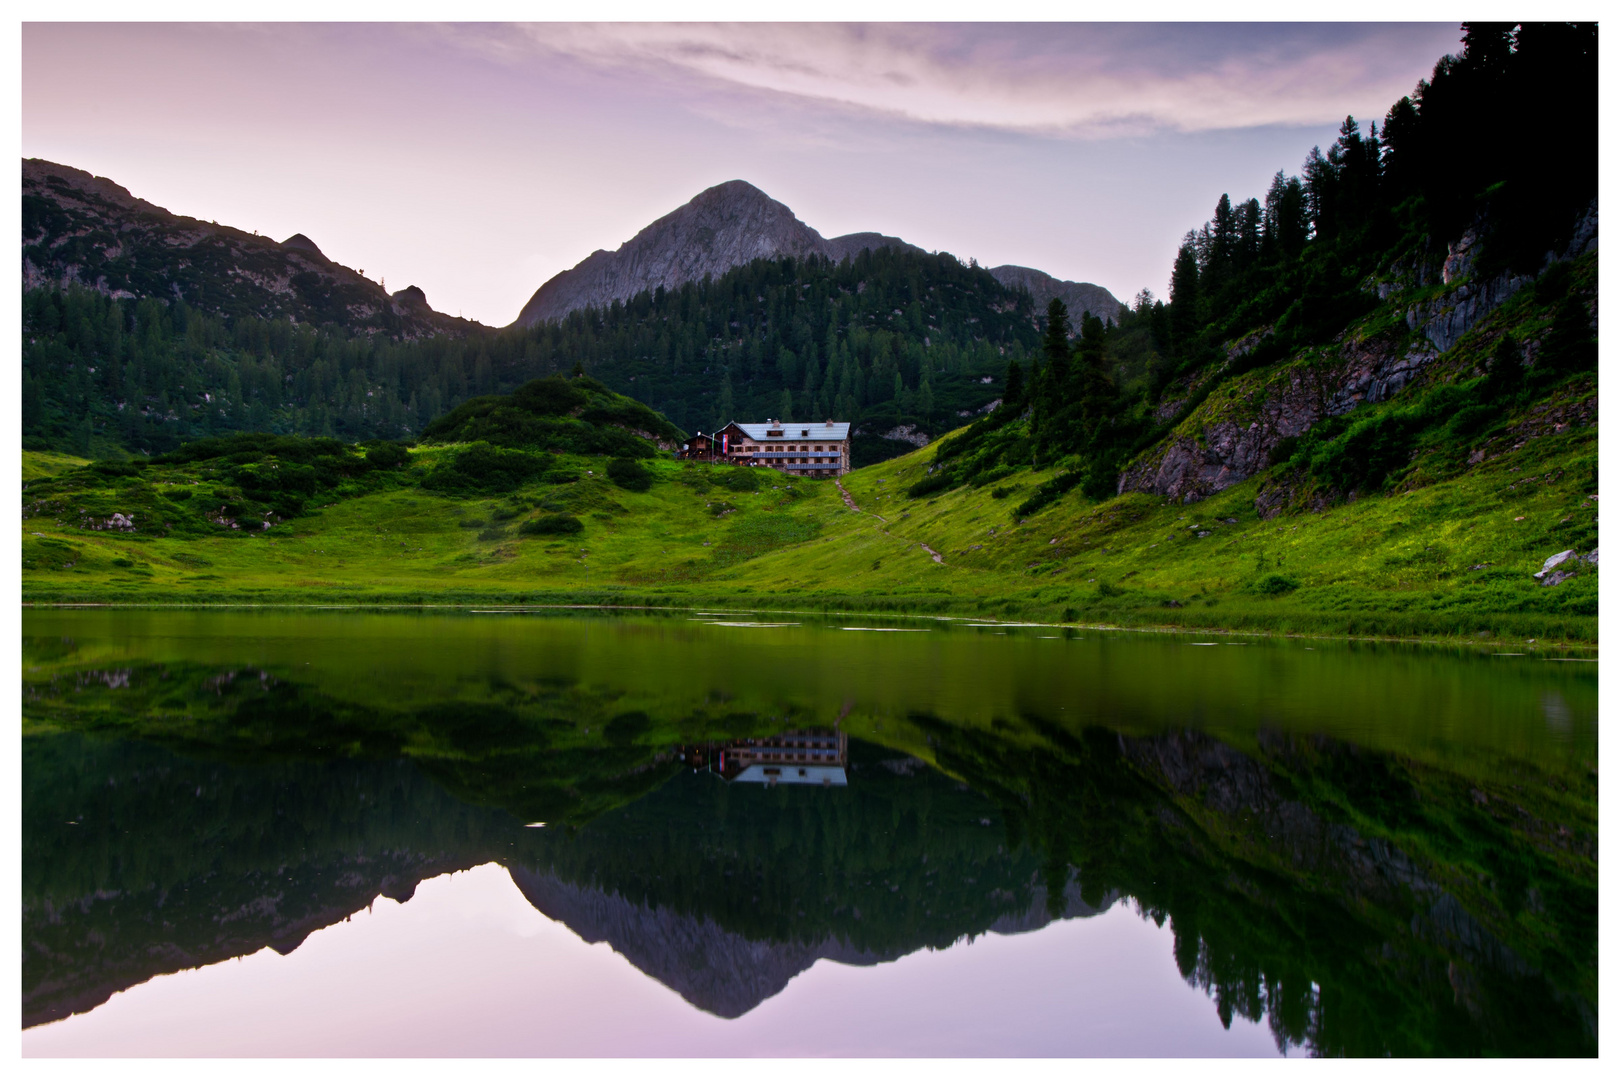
473	605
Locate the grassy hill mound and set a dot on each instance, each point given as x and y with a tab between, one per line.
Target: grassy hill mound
559	415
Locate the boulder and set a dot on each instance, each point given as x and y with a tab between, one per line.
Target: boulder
1554	561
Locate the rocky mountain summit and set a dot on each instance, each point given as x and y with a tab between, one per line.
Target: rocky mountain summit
85	230
730	225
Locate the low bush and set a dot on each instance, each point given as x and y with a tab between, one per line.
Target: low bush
928	485
552	525
733	478
1276	585
1049	493
484	468
387	456
630	475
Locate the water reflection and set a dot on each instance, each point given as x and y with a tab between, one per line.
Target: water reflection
1355	900
815	756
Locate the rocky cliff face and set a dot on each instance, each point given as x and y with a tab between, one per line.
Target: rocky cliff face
1078	296
85	230
728	225
1230	436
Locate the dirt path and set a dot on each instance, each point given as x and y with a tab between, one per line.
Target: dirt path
849	501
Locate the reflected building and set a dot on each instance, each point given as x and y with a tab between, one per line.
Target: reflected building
816	756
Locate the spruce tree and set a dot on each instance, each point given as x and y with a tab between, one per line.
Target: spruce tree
1013	396
1184	299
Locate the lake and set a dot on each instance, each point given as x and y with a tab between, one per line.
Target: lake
516	833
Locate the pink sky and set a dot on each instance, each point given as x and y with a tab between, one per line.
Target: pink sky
467	968
478	160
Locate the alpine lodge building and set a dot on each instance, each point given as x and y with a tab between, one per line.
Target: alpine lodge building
815	450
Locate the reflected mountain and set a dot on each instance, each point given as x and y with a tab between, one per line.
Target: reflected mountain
1357	902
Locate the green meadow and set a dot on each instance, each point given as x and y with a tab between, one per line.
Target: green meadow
1452	556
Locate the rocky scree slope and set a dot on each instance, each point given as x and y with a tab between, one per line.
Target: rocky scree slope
727	226
79	229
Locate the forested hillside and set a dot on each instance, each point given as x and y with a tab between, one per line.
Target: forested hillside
1388	315
887	338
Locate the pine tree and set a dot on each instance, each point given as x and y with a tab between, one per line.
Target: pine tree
1012	396
727	406
1184	320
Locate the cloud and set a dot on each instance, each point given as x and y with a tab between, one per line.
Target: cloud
1068	80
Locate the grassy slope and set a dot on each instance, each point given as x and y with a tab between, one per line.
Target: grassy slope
1398	565
38	464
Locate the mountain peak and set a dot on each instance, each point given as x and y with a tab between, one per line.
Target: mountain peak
730	191
722	227
302	243
729	225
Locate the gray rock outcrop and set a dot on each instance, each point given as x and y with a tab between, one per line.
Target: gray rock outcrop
1230	437
1235	436
1078	296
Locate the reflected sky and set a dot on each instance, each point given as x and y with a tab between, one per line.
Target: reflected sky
468	968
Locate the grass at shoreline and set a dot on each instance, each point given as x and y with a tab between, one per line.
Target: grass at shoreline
1577	635
1448	561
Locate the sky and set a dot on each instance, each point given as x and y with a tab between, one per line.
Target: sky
477	160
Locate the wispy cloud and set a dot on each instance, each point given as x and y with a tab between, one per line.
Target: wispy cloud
1067	80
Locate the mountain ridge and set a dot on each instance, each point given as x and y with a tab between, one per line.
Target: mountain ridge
729	225
89	231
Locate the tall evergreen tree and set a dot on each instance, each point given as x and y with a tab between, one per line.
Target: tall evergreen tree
1184	314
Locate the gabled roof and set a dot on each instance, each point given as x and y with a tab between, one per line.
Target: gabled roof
794	429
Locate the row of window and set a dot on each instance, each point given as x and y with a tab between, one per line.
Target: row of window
785	446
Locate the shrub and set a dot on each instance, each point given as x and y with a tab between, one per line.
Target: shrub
1285	449
552	525
941	480
1106	589
1276	585
733	478
1000	492
1049	493
387	456
630	475
481	467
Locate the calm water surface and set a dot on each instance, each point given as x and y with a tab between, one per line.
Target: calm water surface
533	834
